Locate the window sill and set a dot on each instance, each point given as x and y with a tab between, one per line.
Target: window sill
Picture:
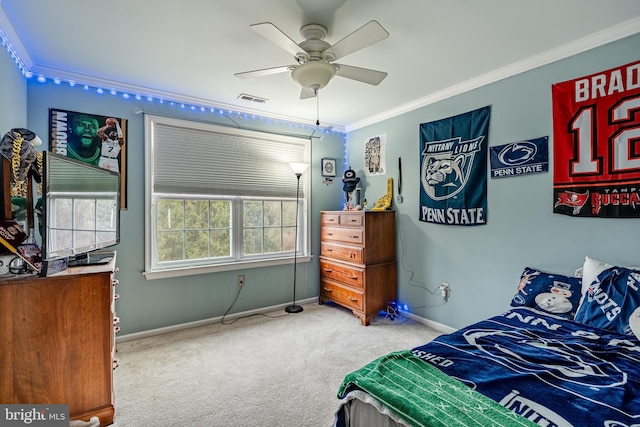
190	271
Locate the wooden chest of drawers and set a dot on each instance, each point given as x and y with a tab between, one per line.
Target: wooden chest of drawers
357	261
58	341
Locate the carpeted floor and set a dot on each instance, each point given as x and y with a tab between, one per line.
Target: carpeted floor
282	370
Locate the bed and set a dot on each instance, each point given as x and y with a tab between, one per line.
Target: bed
571	358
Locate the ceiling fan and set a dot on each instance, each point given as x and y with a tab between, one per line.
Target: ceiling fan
314	56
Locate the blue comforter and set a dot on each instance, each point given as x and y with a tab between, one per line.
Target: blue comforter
552	371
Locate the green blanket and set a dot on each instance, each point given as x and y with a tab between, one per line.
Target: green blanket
422	395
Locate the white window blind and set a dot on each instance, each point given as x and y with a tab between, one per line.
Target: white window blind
199	158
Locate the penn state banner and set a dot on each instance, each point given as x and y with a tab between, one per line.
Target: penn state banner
520	158
596	140
453	169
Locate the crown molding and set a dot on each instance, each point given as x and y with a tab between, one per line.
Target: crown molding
145	92
13	42
594	40
25	62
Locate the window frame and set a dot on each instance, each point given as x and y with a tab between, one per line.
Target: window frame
181	268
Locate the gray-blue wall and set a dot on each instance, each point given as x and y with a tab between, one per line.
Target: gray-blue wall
482	264
149	304
13	95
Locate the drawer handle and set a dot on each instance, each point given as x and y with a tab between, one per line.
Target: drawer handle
351	276
353	220
355	236
328	270
329	250
329	234
327	289
353	299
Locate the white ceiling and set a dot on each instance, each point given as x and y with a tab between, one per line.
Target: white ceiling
189	50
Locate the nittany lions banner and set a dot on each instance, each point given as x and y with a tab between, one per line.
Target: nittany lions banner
596	140
453	169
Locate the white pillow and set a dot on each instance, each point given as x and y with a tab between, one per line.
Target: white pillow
590	271
634	322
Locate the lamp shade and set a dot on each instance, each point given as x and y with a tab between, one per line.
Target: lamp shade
299	168
314	74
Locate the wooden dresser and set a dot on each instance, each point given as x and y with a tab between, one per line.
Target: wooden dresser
58	341
358	261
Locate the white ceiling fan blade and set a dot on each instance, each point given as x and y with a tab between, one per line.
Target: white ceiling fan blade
364	75
306	93
370	33
276	36
263	72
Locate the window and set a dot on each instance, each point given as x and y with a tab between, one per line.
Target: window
217	197
80	222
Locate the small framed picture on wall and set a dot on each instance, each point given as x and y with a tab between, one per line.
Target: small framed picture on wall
329	167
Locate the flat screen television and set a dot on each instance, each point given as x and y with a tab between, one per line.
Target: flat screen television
80	209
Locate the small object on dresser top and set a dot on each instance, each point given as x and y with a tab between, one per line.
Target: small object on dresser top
51	267
384	202
95	258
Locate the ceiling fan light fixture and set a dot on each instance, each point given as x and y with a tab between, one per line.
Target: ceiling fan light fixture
314	75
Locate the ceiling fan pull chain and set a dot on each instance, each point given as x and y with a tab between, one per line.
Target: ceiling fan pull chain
317	107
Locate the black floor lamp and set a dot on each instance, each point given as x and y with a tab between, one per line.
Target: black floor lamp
298	169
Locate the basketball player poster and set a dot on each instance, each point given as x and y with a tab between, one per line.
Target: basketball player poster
596	140
97	140
453	169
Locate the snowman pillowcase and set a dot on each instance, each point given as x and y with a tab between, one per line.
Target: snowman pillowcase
552	293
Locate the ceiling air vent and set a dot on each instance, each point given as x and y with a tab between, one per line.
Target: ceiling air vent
246	97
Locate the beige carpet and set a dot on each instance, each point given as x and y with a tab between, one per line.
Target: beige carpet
259	371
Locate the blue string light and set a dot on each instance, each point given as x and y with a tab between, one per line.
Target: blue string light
152	99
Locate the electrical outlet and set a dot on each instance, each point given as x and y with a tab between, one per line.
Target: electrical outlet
240	280
445	291
399	199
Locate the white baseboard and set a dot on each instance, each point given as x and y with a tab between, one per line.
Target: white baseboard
209	321
430	323
173	328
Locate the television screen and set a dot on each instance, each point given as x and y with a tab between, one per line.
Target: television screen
81	207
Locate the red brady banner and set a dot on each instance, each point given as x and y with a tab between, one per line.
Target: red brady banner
596	144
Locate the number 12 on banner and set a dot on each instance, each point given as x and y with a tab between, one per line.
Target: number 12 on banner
596	130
